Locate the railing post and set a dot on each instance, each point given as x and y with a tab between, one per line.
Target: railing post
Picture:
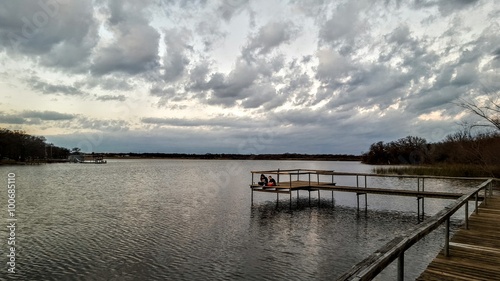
357	197
477	195
467	214
401	266
418	200
252	195
366	199
251	187
423	199
447	239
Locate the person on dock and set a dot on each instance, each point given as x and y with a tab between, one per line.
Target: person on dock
263	180
271	182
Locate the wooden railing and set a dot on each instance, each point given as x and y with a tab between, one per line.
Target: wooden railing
395	249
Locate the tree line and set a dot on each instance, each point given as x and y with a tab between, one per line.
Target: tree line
19	146
229	156
459	148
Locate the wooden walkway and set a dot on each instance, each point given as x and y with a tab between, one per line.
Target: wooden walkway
474	254
287	187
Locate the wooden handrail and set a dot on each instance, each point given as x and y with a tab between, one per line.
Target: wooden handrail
380	259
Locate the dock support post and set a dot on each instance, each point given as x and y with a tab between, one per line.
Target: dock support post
401	267
423	199
366	199
357	196
333	200
277	198
418	200
467	215
290	199
319	199
447	239
252	195
309	190
252	189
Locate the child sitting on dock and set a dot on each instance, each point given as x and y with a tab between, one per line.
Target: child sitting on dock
263	180
271	182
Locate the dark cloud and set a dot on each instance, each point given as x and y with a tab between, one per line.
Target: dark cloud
134	48
176	60
59	33
344	26
446	7
270	36
111	98
47	88
229	8
226	90
222	121
35	117
103	125
48	115
11	119
109	83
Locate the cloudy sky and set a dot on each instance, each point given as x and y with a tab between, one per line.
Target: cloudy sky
240	76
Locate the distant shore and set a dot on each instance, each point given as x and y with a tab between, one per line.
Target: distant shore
207	156
224	156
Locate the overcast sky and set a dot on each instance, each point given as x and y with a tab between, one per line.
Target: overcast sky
240	76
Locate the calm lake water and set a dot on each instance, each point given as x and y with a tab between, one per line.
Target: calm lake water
193	220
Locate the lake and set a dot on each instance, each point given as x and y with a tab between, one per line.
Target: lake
193	220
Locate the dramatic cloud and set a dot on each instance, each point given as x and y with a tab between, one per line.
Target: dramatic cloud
244	76
59	33
134	45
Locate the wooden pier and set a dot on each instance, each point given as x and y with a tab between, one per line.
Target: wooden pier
313	180
474	253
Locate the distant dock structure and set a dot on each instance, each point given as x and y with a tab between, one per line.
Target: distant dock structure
87	159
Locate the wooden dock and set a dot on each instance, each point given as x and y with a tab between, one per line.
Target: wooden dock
474	253
287	187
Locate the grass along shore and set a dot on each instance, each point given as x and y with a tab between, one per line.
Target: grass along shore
446	170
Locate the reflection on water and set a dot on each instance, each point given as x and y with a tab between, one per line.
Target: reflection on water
192	220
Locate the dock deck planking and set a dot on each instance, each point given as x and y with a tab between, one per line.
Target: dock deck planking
286	187
474	253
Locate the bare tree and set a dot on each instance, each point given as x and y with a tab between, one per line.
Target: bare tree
489	111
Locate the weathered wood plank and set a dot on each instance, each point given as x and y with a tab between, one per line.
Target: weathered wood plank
474	253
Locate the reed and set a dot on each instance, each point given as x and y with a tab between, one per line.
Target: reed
447	170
